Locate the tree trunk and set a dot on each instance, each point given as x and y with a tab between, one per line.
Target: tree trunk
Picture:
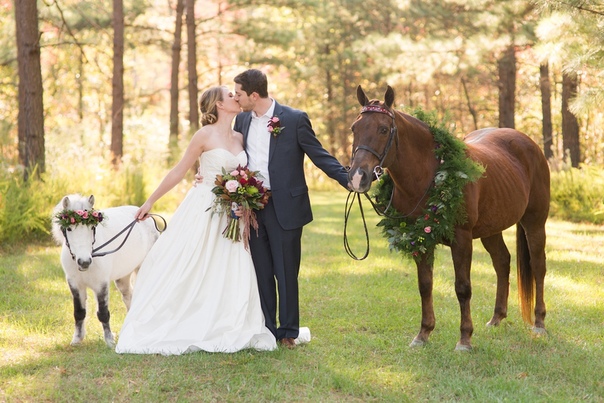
192	66
176	47
546	109
469	102
31	92
570	126
117	110
507	87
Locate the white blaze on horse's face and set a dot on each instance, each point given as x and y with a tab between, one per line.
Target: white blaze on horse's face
355	180
81	238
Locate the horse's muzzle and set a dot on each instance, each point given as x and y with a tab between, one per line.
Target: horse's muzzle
84	264
360	180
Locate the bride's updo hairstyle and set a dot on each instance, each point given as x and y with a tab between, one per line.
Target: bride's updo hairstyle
207	105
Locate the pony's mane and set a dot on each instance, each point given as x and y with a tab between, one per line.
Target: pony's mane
76	202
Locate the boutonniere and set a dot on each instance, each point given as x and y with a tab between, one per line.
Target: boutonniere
274	126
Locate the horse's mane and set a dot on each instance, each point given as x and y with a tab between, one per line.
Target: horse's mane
76	202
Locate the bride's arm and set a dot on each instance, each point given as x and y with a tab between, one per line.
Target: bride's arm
175	175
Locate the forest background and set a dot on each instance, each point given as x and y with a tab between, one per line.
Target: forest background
101	97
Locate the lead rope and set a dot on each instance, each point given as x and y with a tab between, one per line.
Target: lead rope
382	213
128	228
346	215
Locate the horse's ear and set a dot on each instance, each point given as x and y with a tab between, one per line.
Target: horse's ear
91	200
363	100
389	97
65	202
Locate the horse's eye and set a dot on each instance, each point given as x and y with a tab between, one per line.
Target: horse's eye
383	130
69	229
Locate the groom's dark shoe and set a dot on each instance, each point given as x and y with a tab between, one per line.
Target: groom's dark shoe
288	342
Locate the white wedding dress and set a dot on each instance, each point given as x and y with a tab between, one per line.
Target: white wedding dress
197	290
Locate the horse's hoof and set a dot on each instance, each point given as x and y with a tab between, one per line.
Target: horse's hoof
76	342
463	347
539	331
416	343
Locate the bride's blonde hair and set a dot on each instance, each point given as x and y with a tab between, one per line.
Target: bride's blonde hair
207	104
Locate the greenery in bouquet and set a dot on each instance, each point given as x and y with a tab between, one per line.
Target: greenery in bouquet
239	188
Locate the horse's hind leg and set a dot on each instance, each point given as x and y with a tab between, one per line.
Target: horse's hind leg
500	256
102	297
124	284
79	312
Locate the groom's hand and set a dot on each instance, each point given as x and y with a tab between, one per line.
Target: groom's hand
198	178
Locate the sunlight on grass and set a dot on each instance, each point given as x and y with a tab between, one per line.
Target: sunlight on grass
362	315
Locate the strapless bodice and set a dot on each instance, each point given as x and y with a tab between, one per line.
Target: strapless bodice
213	161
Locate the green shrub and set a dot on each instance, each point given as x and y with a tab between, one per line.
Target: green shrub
23	208
577	195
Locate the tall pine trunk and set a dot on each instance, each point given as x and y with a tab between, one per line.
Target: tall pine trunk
176	48
117	109
507	87
570	125
546	110
31	92
192	66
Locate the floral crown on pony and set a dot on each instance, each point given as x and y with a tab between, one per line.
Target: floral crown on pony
67	218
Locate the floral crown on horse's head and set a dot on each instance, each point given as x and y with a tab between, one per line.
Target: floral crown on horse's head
67	218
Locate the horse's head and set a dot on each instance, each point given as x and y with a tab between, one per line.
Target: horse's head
375	135
74	224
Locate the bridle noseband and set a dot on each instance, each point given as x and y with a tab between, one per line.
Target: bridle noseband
378	170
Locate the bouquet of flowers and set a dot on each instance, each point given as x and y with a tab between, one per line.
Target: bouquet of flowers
240	188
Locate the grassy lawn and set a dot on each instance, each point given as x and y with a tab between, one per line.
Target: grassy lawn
362	315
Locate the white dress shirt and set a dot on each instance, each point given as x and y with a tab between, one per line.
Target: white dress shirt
258	144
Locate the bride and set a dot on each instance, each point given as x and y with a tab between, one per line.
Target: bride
197	290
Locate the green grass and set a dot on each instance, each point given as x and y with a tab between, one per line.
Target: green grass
362	315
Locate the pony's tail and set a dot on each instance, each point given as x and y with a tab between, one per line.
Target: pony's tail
526	279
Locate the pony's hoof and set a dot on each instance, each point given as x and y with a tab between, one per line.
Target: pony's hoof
416	343
539	331
463	347
110	342
76	342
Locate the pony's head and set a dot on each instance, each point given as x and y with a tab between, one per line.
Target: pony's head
374	134
74	224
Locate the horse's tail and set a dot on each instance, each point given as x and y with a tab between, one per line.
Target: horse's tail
526	279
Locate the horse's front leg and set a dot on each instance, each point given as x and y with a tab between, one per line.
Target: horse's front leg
425	280
102	297
461	251
78	292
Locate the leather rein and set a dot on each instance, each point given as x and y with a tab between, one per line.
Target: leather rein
128	228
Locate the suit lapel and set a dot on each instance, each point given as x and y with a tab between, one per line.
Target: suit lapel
277	112
245	126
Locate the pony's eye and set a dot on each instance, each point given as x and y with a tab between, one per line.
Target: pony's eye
383	130
69	229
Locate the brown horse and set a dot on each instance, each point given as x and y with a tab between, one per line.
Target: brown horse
515	189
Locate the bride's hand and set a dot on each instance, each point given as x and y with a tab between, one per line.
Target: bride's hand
143	211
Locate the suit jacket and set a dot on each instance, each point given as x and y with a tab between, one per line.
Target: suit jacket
286	164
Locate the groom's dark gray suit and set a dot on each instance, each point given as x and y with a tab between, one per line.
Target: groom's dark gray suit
276	250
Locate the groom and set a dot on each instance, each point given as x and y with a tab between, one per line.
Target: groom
277	150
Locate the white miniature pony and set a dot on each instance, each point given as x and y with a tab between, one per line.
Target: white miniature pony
79	228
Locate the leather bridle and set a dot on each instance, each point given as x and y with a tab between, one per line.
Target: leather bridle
378	169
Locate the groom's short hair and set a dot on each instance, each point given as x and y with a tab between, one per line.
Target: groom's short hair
253	80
